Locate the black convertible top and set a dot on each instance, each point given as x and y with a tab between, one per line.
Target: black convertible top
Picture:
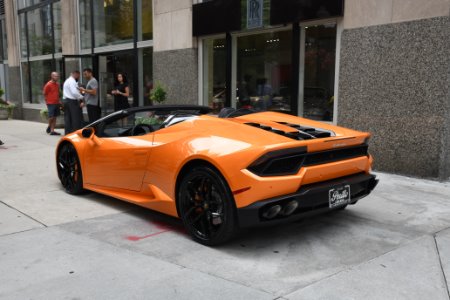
157	108
199	108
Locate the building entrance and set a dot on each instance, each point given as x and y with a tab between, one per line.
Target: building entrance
105	67
109	65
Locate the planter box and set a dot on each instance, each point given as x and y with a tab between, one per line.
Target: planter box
3	114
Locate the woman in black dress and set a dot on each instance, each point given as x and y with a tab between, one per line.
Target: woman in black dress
121	92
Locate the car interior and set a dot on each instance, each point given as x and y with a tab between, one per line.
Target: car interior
140	123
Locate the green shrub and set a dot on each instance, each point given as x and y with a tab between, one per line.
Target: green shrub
158	93
8	106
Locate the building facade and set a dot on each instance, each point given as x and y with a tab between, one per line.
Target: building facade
380	66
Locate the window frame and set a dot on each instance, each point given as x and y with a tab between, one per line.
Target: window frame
28	58
298	101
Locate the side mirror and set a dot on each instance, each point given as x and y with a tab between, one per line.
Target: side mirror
88	132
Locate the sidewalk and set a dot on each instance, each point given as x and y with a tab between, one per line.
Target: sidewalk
394	244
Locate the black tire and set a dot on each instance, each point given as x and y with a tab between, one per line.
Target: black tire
206	206
69	169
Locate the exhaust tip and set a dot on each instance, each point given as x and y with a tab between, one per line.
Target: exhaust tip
272	212
289	208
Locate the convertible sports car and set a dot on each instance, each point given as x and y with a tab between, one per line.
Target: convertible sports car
218	174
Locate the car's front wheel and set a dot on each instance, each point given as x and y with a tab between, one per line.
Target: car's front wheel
69	169
206	206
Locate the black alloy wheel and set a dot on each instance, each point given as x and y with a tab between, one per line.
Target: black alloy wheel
69	169
206	206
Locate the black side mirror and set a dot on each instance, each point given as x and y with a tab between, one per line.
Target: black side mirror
87	132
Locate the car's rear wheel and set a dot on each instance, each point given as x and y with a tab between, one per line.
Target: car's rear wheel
206	206
69	169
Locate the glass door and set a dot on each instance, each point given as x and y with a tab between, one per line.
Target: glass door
72	63
264	70
317	67
109	65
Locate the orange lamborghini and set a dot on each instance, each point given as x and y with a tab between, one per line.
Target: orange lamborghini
218	173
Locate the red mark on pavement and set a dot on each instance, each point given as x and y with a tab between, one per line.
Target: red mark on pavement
160	226
6	148
138	238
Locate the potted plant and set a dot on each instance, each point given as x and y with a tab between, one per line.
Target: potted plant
158	93
6	107
44	114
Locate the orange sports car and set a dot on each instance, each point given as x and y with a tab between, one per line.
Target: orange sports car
218	173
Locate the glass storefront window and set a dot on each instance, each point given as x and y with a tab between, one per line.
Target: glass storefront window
25	81
146	20
27	3
264	69
320	61
40	36
57	26
40	71
4	41
147	73
113	22
23	36
85	23
214	73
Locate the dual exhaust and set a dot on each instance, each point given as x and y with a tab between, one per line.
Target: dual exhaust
282	210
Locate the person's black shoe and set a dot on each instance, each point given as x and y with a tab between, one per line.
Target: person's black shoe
55	133
1	143
48	129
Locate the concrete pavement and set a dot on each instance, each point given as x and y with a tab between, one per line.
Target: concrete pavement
394	244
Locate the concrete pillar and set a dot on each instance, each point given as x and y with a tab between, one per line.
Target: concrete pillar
175	56
69	30
12	31
69	35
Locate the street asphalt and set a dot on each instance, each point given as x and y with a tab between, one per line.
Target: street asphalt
394	244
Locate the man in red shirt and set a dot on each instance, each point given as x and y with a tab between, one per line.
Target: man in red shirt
51	94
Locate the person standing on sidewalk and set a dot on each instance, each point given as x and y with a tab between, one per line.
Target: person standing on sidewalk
51	95
91	96
121	92
73	103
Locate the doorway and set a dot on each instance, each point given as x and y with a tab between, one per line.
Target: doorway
317	72
109	65
105	66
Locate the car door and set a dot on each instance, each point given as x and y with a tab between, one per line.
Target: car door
117	161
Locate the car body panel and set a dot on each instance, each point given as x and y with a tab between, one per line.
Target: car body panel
144	169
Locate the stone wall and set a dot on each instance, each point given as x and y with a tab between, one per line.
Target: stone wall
394	82
177	70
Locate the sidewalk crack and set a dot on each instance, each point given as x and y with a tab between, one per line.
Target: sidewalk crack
441	266
37	221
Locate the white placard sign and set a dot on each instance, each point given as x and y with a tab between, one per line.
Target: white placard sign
254	13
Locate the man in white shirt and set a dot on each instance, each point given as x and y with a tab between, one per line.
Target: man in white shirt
73	103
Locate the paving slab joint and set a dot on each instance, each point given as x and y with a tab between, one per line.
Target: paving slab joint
28	216
440	264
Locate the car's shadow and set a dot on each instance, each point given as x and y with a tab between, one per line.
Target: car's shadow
279	234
